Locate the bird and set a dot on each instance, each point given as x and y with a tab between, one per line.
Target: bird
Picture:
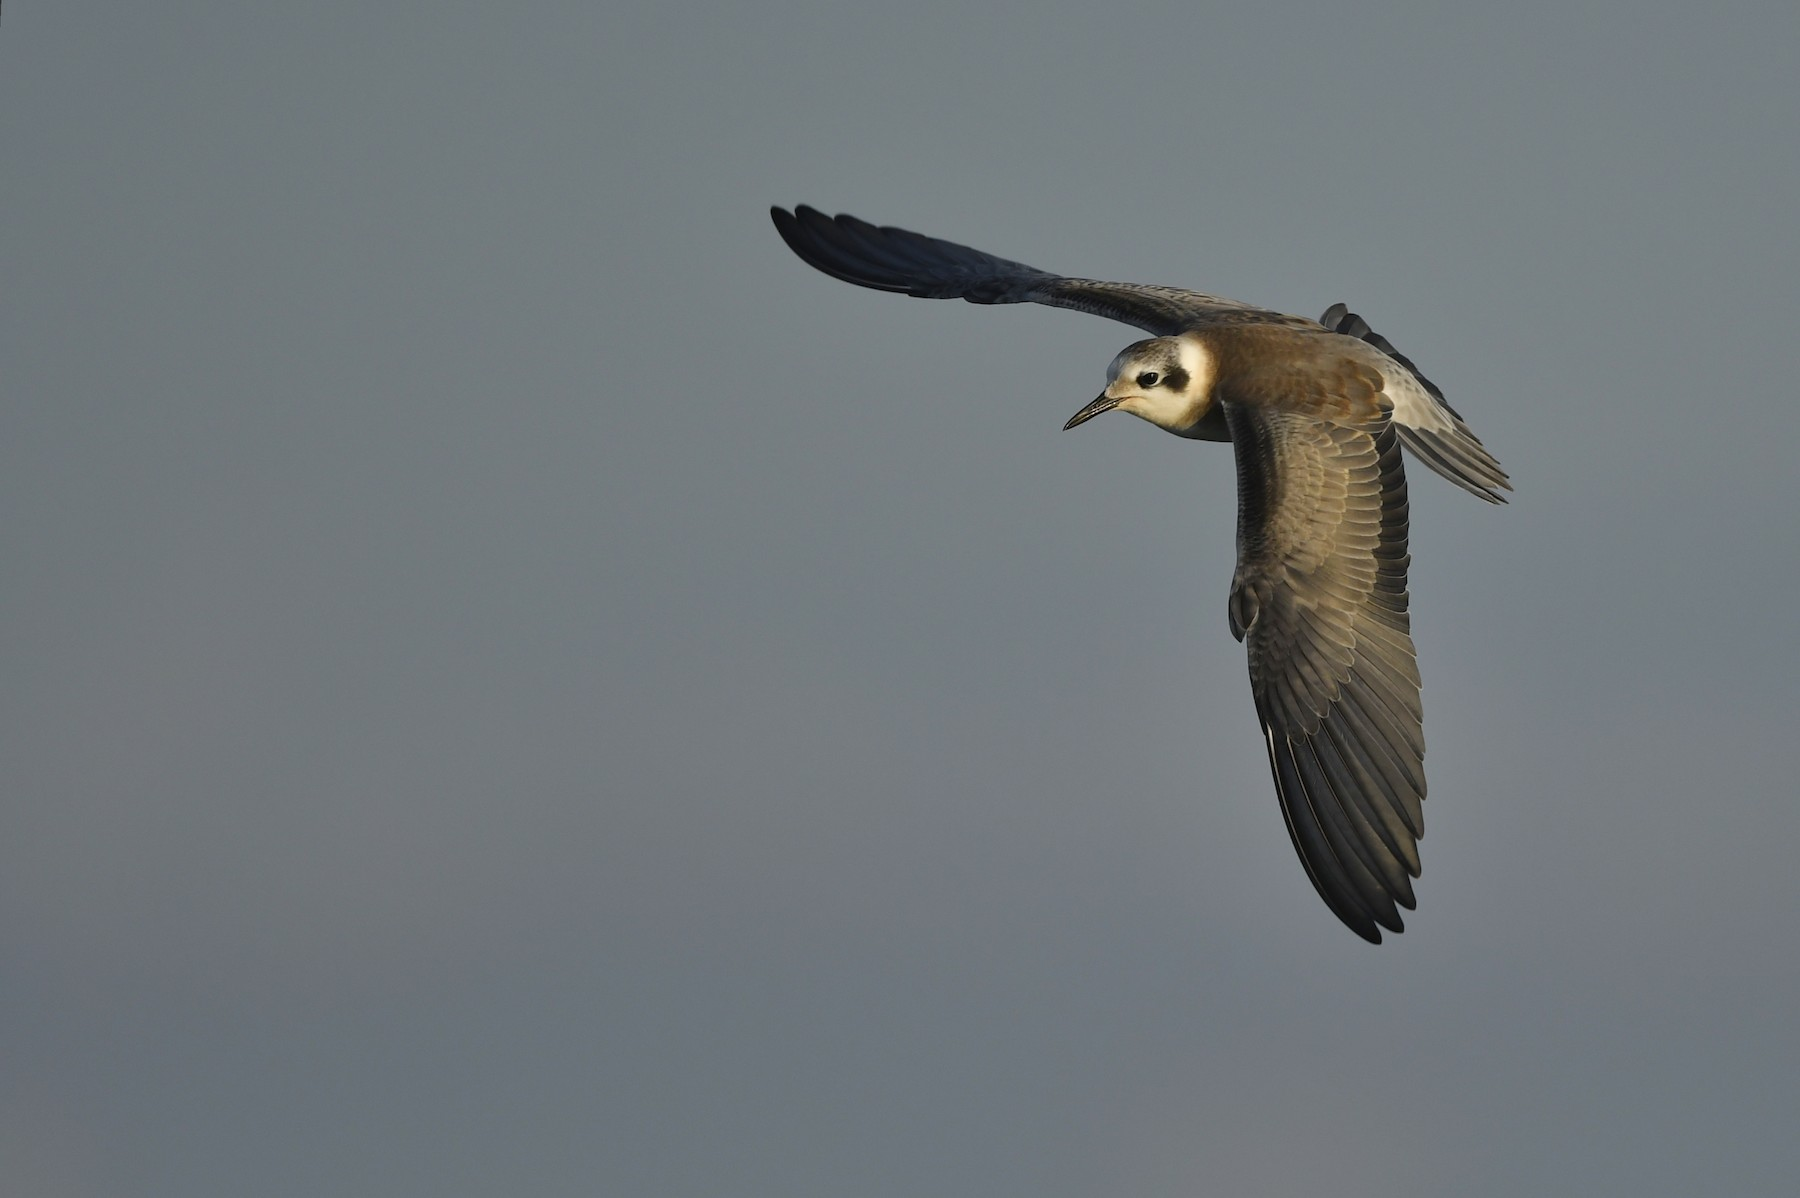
1317	413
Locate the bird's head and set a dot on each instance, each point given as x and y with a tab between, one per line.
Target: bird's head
1165	380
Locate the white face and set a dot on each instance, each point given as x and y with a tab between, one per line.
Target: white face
1166	380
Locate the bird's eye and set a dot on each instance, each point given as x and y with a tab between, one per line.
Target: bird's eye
1147	379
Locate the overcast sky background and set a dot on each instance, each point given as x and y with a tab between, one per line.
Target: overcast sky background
513	684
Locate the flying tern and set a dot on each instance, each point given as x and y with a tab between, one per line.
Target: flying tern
1317	413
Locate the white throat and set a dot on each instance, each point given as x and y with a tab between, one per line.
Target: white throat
1180	398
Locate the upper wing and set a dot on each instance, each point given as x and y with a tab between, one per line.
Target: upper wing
1429	427
890	259
1319	598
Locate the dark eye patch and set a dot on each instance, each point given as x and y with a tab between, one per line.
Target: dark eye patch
1147	379
1176	379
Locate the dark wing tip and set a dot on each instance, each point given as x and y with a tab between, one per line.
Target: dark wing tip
888	258
1363	882
842	247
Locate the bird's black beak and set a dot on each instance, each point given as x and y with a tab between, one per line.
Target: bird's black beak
1105	403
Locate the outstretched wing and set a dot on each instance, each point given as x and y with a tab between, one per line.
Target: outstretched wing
1319	598
1429	427
890	259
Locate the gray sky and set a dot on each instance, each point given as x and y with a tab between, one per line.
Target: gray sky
515	684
